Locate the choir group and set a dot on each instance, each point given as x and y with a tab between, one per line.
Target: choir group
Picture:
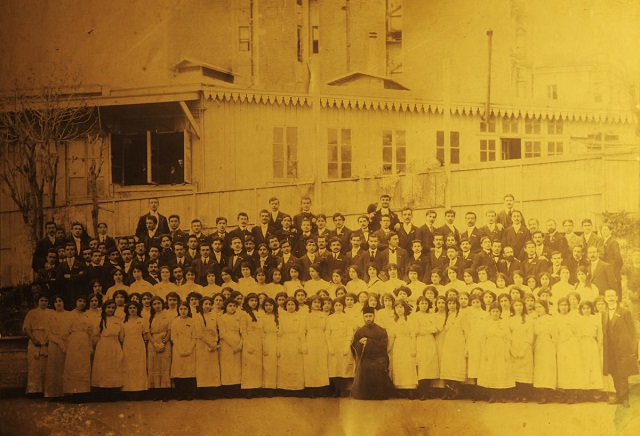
499	312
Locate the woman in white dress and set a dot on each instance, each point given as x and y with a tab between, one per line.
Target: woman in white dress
230	349
136	332
402	343
453	364
426	352
252	333
290	377
315	350
341	363
270	346
521	329
207	346
183	359
495	366
590	336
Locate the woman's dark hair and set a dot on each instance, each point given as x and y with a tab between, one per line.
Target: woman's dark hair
356	268
93	282
201	311
477	297
407	309
421	299
185	304
340	273
388	295
123	293
153	312
92	295
194	294
126	309
585	271
103	315
448	300
340	287
430	288
136	295
377	297
54	298
247	308
312	299
524	310
563	300
291	299
280	294
517	288
275	308
227	302
588	304
544	304
495	305
271	272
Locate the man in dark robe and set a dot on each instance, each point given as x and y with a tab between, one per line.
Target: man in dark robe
370	343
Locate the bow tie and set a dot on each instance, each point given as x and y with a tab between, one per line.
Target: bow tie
392	251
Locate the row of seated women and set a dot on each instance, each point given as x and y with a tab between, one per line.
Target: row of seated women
473	344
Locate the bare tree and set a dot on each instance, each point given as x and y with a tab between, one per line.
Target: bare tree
34	126
98	147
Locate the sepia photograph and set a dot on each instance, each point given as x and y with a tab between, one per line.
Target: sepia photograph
320	217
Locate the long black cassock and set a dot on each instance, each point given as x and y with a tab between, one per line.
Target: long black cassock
371	381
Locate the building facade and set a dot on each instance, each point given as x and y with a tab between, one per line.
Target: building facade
341	100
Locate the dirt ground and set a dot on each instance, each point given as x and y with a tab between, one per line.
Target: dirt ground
326	416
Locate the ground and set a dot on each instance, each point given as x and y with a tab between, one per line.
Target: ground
321	416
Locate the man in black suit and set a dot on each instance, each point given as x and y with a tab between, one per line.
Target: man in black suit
161	220
196	230
221	232
180	256
47	275
612	252
71	277
384	209
417	257
533	265
167	256
384	231
601	273
305	212
555	240
44	245
492	229
242	231
275	216
192	252
407	232
505	216
508	264
309	258
516	235
288	232
175	233
620	341
395	254
78	237
151	236
218	258
287	260
353	255
203	264
465	256
237	257
103	237
472	233
449	228
341	231
437	256
262	231
372	255
484	258
425	233
576	260
300	248
99	272
127	265
335	258
152	275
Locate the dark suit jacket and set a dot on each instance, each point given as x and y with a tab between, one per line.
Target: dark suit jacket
364	241
306	262
533	267
407	238
403	260
333	264
508	269
42	249
300	248
594	240
603	277
445	230
259	237
504	218
216	266
377	216
422	262
573	265
236	267
516	240
297	220
382	238
612	256
270	263
202	270
366	259
426	236
178	236
293	261
84	242
474	238
240	233
344	238
436	262
482	258
75	285
557	242
465	262
353	260
277	223
495	234
141	228
620	341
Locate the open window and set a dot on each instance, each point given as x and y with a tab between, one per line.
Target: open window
511	148
151	158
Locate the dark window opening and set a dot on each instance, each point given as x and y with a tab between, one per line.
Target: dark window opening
511	148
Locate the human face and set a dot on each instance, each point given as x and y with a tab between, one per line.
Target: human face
110	309
385	222
316	304
221	225
592	253
239	299
399	309
286	222
157	306
476	304
286	248
373	242
277	276
132	309
274	244
338	307
353	274
369	318
529	303
452	306
340	293
264	217
236	245
423	306
470	218
174	223
438	241
194	302
573	302
605	231
280	301
364	223
137	274
540	310
172	302
508	201
165	274
587	227
530	249
610	296
440	305
577	252
94	303
268	307
500	283
601	306
586	310
515	294
402	295
305	204
482	276
431	218
206	306
249	246
321	223
556	259
516	218
275	205
119	299
505	303
218	302
81	303
294	274
97	287
178	274
491	217
393	273
518	279
563	307
151	225
311	246
313	273
488	299
463	300
449	217
191	276
349	301
51	230
290	307
76	230
231	308
183	311
300	297
495	314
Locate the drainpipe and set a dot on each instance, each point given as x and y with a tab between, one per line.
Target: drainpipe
487	109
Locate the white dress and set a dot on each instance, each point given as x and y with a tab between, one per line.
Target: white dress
252	333
340	334
495	366
290	362
403	368
426	352
316	370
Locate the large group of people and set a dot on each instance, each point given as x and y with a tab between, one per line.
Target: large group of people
502	311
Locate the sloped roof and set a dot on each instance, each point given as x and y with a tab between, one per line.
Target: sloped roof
212	71
358	76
